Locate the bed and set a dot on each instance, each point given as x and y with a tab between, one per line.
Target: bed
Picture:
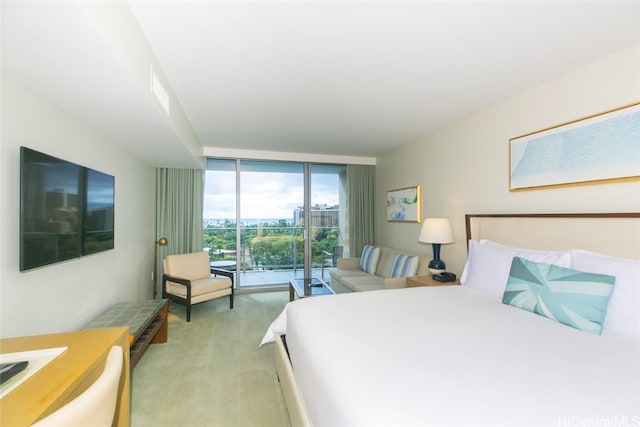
460	355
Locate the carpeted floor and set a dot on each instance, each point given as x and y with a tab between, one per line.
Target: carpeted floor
211	372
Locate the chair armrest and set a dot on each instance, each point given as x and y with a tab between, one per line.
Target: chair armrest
395	282
166	278
222	272
327	253
349	263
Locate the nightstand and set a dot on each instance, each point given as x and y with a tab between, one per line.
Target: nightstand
415	281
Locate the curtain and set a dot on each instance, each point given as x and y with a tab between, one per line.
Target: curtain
360	227
179	199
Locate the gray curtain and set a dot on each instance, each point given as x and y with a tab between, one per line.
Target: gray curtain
179	198
360	229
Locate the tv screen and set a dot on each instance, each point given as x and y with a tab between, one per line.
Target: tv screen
98	219
66	210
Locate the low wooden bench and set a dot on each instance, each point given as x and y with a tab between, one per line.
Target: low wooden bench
147	322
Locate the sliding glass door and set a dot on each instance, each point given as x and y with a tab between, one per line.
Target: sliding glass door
220	214
271	237
326	199
270	221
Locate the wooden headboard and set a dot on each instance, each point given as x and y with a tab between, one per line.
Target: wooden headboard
615	234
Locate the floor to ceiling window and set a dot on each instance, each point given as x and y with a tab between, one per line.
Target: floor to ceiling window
256	220
327	221
271	241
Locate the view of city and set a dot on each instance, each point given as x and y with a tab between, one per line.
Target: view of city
254	218
272	244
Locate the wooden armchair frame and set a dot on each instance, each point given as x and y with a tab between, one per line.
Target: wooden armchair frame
187	283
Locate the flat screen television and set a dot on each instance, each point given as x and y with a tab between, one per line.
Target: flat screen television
66	210
97	230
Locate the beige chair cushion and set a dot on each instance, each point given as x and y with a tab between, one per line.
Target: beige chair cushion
201	287
363	283
340	274
191	266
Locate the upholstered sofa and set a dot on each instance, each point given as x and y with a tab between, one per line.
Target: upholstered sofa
349	276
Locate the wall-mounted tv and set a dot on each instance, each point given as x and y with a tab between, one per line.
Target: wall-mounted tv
66	210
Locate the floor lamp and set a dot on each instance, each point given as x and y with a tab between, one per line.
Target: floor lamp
160	242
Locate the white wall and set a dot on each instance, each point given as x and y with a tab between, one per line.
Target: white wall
464	168
67	295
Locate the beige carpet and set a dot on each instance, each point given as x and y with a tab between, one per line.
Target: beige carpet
211	372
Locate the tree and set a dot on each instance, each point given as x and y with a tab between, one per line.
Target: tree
270	245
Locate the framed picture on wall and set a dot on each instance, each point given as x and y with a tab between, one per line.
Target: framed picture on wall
405	204
604	147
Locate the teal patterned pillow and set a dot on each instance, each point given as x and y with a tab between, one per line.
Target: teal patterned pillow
369	259
571	297
404	266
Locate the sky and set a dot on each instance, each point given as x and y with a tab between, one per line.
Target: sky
264	195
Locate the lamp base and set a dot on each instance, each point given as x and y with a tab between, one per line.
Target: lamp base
436	266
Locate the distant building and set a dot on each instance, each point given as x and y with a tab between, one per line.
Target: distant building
99	219
321	216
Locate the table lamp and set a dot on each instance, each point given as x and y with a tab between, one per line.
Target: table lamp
436	231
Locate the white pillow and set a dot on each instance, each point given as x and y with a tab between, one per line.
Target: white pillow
623	312
488	265
500	245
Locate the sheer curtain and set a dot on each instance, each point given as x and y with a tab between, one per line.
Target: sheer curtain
360	227
179	198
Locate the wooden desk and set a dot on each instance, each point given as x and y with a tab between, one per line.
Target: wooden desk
66	376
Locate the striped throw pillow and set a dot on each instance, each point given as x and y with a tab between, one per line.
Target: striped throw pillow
404	266
369	259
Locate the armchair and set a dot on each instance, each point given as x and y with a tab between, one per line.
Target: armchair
187	280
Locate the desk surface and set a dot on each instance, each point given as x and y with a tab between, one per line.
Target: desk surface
66	376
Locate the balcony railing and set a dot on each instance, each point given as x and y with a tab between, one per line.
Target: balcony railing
269	249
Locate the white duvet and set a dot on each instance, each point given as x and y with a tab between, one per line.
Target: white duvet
453	356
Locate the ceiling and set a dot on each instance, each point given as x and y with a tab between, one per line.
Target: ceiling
346	78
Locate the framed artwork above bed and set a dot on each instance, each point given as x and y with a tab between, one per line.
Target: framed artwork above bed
604	147
405	204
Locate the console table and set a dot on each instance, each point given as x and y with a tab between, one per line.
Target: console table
147	322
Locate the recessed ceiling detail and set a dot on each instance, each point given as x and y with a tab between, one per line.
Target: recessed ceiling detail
349	78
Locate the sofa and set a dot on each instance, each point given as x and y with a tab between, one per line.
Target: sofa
350	277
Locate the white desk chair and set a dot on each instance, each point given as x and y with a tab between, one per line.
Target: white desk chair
96	406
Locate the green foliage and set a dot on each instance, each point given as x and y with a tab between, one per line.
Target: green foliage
270	245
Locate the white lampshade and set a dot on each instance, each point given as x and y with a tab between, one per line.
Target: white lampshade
436	230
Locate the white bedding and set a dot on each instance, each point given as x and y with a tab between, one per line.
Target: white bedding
454	356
